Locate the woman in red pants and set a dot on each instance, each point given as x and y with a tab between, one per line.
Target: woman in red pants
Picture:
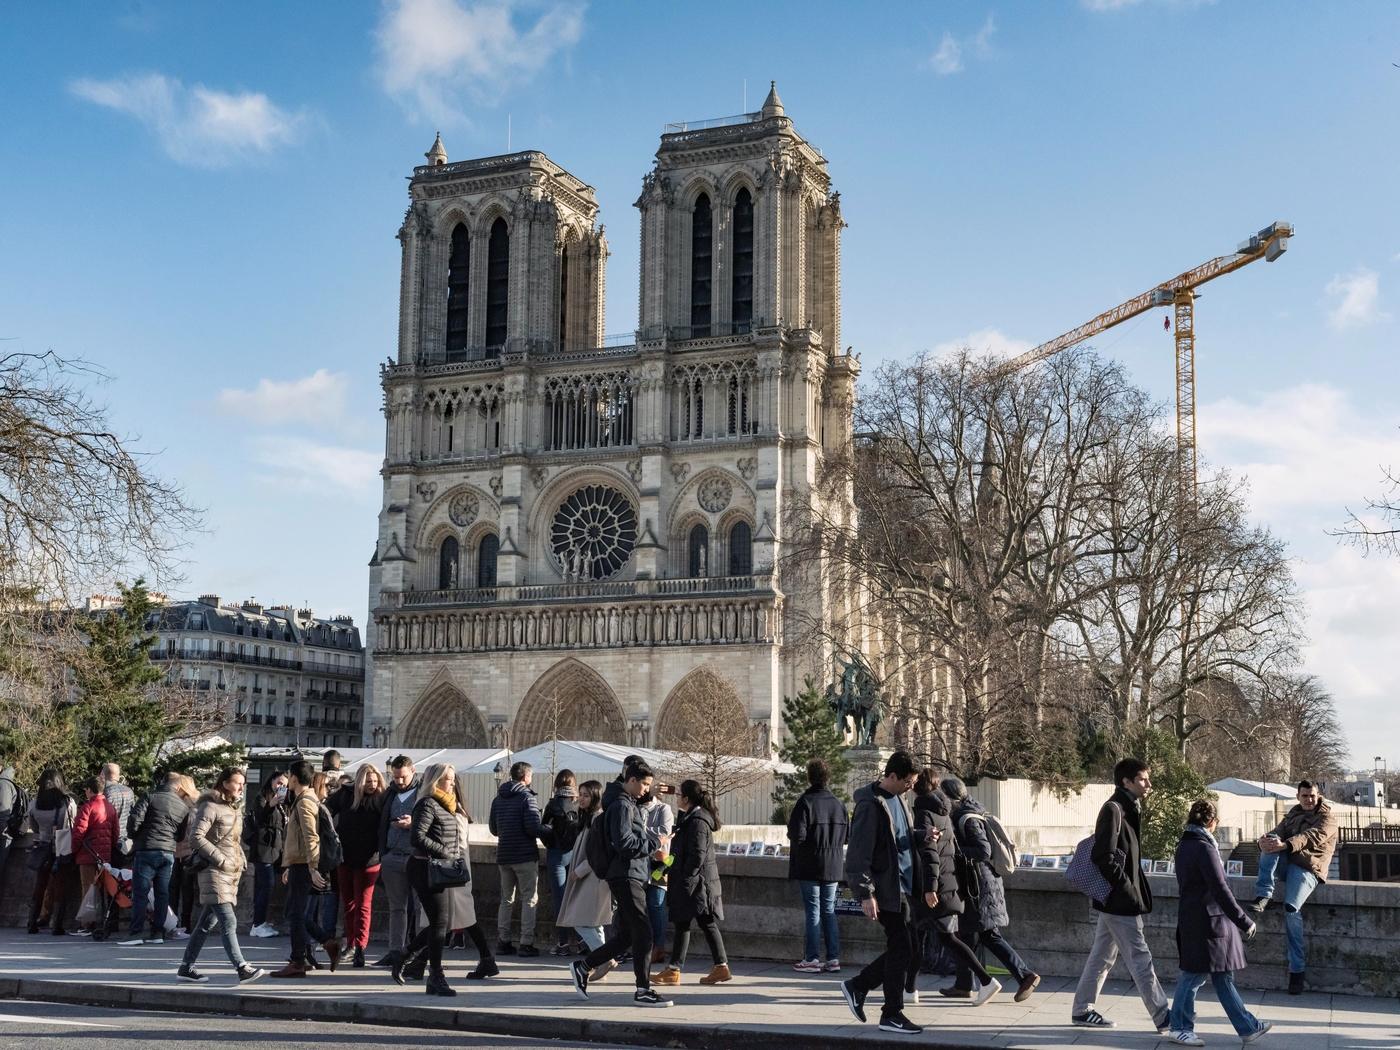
358	826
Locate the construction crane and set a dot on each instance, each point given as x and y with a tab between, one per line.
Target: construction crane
1179	293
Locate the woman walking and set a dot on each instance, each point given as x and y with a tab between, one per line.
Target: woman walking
586	904
1209	922
51	813
216	852
942	894
434	836
694	893
95	839
561	817
358	826
267	830
461	913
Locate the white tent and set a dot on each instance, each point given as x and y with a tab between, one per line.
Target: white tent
1238	786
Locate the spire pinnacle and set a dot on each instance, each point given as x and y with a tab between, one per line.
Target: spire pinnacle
772	105
437	154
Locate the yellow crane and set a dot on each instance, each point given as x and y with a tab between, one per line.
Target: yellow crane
1179	293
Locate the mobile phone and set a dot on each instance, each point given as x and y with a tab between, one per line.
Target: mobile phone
664	789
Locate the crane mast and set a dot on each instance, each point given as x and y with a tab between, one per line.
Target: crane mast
1179	293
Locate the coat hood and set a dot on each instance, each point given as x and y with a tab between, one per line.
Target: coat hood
8	772
936	801
700	813
512	787
213	796
612	792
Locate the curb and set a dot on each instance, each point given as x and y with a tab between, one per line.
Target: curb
468	1021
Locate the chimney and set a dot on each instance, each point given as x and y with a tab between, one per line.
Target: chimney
251	606
210	600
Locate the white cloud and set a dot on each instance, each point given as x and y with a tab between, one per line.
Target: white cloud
989	341
431	52
1355	299
1108	5
310	466
196	125
947	58
319	398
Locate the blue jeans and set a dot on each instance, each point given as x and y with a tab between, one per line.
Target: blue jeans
656	913
222	916
1298	884
150	871
556	867
1183	1017
264	875
819	906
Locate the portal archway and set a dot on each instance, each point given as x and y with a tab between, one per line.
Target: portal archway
703	713
443	717
570	700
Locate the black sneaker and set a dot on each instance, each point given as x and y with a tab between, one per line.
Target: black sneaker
855	999
527	951
505	948
1257	905
1092	1019
579	970
190	974
249	974
1295	983
648	997
899	1023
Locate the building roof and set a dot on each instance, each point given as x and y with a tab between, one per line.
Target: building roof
1239	786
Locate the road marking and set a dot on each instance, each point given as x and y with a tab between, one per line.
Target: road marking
26	1018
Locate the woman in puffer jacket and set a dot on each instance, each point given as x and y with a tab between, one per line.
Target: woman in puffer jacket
216	853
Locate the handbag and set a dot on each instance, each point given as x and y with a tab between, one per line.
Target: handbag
448	874
40	857
63	835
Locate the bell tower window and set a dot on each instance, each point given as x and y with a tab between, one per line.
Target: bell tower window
740	549
564	297
497	284
742	241
486	560
701	245
458	293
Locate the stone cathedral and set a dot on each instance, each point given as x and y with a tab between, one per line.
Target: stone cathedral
584	536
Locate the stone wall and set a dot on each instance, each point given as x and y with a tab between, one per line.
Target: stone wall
1354	928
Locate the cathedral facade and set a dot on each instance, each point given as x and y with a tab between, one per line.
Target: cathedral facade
583	537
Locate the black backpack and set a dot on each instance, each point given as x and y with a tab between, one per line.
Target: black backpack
564	825
331	852
19	813
598	850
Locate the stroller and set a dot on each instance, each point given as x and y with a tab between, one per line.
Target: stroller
114	894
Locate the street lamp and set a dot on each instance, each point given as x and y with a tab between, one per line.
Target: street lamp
1356	811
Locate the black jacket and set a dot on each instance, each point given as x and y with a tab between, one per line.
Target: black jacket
1118	855
265	831
434	830
562	819
629	841
982	886
359	831
515	821
159	820
817	831
693	887
939	859
872	858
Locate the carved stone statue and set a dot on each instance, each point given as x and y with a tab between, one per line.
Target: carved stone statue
704	561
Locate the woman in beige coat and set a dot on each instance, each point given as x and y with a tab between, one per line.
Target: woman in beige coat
216	852
586	904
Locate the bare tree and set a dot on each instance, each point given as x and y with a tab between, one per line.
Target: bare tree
716	749
1377	528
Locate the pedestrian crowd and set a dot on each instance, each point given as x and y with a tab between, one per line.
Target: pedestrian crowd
920	855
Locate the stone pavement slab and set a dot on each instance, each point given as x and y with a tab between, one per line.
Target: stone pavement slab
765	1005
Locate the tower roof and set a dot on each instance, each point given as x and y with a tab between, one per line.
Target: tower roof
772	105
437	154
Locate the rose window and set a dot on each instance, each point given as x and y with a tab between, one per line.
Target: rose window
593	533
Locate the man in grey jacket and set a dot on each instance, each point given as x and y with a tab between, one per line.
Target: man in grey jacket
123	801
882	869
395	848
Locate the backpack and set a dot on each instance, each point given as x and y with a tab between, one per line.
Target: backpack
19	812
598	849
331	852
565	827
1003	848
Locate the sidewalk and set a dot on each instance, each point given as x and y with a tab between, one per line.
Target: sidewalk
767	1005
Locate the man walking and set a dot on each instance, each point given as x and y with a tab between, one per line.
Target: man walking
621	852
882	869
1117	855
158	823
1303	842
395	848
301	857
515	821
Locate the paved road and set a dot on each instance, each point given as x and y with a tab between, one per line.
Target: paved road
53	1026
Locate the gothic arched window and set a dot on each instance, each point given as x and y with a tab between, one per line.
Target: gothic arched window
486	560
742	241
497	284
458	289
447	564
698	549
563	295
740	549
701	242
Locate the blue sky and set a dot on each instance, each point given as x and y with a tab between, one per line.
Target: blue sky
202	199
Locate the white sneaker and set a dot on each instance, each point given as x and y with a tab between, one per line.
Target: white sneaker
1258	1033
265	929
986	992
180	935
808	966
1187	1039
133	943
912	997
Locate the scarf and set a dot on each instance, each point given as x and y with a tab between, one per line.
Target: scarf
448	802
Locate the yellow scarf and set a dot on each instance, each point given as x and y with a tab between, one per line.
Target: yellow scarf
449	802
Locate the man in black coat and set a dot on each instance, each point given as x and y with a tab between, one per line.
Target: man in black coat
817	831
629	848
884	870
1117	855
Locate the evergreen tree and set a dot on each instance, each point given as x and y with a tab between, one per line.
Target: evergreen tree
118	717
811	733
1175	785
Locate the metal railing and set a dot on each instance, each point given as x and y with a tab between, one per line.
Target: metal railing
682	126
1388	833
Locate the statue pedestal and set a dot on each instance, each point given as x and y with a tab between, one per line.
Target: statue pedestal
867	764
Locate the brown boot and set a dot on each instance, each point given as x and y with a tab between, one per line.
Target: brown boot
718	975
292	969
670	975
332	947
